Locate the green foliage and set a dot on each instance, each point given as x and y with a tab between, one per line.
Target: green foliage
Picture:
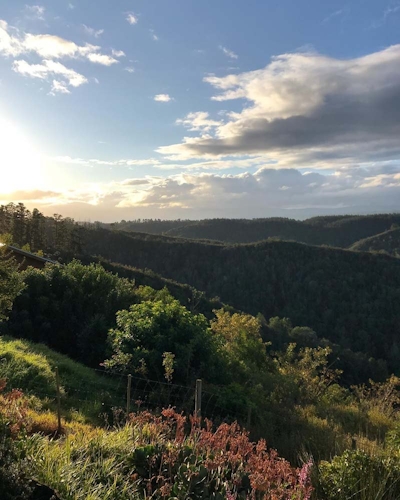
14	483
70	308
240	344
360	476
10	283
148	330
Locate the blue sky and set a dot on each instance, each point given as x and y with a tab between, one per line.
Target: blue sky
155	108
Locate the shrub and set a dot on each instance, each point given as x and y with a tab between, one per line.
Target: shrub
361	476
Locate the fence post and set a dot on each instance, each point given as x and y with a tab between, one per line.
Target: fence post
128	395
59	428
197	398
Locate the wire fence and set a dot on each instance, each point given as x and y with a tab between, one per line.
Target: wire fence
108	393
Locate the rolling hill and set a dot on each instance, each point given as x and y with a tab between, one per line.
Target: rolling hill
339	231
348	297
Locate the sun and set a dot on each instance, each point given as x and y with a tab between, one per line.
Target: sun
20	162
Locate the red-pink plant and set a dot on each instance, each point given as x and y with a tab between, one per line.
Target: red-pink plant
225	457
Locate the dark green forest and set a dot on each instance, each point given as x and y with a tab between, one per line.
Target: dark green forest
338	231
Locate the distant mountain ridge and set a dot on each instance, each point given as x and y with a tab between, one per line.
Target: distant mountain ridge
339	231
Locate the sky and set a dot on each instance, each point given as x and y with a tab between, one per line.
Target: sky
168	109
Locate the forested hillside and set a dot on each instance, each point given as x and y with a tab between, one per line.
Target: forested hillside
339	231
348	297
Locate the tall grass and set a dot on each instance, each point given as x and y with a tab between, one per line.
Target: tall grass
86	394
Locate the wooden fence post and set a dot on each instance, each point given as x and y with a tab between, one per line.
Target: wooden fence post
128	395
59	428
197	399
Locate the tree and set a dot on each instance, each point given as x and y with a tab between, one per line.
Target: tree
10	283
239	342
148	330
70	308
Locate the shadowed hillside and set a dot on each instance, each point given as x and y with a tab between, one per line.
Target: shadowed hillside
349	297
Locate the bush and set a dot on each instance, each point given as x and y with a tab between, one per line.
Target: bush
358	475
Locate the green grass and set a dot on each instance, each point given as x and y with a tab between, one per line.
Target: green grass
85	393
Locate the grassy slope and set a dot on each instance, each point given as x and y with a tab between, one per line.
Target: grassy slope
31	367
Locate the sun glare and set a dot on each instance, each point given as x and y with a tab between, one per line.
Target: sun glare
20	162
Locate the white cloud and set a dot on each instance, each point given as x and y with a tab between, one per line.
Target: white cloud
35	11
118	53
59	88
48	68
306	109
163	98
91	31
13	43
71	6
103	59
131	18
129	69
199	121
228	52
10	45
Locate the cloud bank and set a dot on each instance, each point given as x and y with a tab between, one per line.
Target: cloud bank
304	109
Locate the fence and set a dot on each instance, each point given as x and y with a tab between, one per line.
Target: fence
108	393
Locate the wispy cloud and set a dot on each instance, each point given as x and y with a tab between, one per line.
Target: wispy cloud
131	18
71	6
35	11
390	10
112	163
118	53
129	69
336	13
163	98
91	31
154	36
59	88
228	53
